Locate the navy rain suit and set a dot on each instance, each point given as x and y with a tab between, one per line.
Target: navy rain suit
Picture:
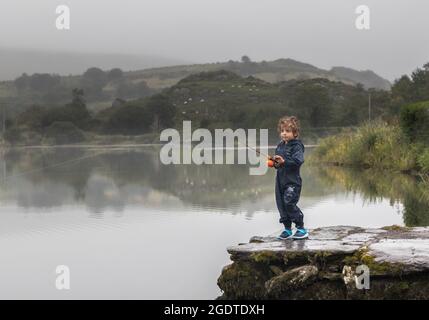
289	183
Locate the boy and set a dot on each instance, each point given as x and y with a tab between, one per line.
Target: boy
288	160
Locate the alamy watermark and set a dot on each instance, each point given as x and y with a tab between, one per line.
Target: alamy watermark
179	150
62	280
62	22
362	21
362	277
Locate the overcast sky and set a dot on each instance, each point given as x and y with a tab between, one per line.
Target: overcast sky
320	32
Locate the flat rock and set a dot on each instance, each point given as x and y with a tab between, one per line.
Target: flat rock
411	255
326	265
287	246
406	248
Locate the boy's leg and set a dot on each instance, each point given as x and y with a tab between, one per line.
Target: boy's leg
284	218
290	199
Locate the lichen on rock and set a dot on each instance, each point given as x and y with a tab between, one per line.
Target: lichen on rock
291	280
324	266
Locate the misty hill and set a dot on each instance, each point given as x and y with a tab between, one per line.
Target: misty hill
270	71
215	99
223	99
161	72
14	62
104	87
369	78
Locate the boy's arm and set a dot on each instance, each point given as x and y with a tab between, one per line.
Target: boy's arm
278	158
296	157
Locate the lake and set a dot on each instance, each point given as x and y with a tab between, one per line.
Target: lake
129	227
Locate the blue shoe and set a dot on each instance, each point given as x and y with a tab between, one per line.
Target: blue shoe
286	234
300	234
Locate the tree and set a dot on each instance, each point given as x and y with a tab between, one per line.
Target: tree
312	102
74	112
245	59
162	109
22	82
115	74
78	100
420	78
130	119
63	132
43	81
94	79
32	118
403	88
416	88
95	75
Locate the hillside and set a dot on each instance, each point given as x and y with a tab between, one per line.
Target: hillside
215	99
369	78
223	99
101	90
14	62
270	71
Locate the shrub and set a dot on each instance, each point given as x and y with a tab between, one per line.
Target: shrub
12	135
423	161
373	145
414	120
64	132
130	119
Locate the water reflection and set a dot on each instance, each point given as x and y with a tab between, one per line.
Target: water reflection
119	218
412	191
115	179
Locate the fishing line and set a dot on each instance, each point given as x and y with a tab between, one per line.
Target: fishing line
54	165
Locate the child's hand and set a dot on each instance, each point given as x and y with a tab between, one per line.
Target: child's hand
279	160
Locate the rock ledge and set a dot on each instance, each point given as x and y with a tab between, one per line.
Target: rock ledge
324	266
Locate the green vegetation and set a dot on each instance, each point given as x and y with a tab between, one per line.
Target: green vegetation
64	132
217	99
53	90
224	99
269	71
362	256
376	145
402	145
415	121
102	87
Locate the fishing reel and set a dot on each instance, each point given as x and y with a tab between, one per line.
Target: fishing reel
273	163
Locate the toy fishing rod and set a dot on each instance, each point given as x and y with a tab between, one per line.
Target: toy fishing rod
271	162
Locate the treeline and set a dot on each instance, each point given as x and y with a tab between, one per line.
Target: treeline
73	122
412	89
222	99
410	101
99	85
216	99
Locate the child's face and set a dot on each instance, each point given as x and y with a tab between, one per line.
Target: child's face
286	134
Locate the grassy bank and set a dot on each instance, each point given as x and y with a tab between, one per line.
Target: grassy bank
376	145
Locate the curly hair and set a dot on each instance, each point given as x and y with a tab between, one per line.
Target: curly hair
289	122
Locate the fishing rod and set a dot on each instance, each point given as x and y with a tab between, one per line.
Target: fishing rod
271	162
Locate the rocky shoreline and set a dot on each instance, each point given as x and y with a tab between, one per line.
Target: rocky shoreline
326	265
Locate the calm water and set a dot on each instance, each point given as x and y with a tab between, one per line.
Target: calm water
130	227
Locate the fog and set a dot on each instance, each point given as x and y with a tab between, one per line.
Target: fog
322	33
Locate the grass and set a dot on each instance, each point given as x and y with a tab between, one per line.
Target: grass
376	145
